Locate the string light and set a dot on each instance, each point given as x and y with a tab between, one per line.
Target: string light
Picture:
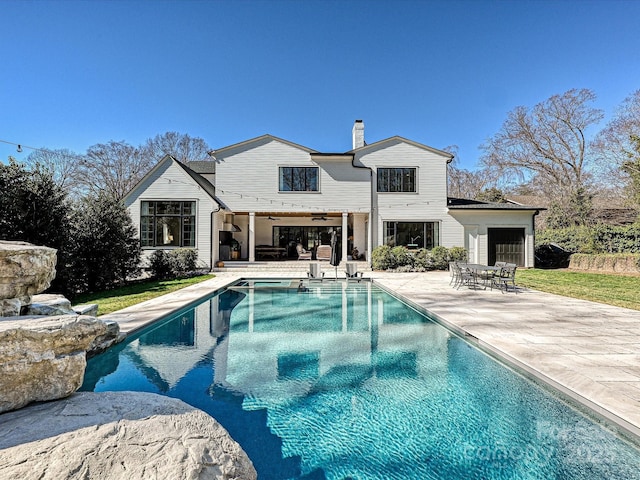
21	146
315	207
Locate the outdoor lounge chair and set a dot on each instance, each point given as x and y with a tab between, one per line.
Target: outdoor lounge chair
302	253
323	252
352	272
315	272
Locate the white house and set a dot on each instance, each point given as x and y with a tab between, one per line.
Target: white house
264	197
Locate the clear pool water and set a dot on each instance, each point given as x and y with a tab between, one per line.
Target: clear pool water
342	381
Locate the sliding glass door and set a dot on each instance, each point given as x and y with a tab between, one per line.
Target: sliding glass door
308	236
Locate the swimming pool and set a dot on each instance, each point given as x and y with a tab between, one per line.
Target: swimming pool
343	381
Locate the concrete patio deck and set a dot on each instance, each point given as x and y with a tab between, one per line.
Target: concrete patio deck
587	350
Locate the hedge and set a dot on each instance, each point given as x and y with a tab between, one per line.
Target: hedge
594	239
402	259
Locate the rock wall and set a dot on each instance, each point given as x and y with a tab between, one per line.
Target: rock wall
627	263
118	435
44	358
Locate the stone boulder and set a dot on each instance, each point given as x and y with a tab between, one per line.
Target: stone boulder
44	358
118	435
49	305
110	337
25	270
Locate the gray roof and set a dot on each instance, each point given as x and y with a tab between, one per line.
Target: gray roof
200	180
467	204
202	166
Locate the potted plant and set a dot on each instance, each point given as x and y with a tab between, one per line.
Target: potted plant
235	249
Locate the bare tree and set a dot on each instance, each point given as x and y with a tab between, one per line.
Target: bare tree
62	164
548	142
114	168
182	147
614	144
631	168
463	183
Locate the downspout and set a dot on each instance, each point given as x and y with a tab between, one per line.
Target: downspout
371	209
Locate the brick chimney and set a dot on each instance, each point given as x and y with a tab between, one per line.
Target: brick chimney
358	134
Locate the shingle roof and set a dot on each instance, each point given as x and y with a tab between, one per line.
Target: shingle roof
202	166
467	204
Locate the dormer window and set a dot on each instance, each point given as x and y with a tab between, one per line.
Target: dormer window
298	179
397	180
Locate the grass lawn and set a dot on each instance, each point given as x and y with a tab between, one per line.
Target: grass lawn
618	290
123	297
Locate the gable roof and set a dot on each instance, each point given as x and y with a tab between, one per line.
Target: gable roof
260	139
398	139
202	182
199	179
467	204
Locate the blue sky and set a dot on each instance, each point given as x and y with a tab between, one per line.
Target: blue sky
78	73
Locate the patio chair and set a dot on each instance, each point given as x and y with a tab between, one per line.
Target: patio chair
506	278
323	252
464	277
315	272
454	272
302	253
352	272
499	264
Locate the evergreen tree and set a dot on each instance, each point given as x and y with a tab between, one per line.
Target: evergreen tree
106	250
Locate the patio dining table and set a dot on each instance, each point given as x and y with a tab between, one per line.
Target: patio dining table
481	273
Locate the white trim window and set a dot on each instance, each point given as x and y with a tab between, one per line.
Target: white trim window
168	223
396	180
299	179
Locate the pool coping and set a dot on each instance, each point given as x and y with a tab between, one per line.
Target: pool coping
492	321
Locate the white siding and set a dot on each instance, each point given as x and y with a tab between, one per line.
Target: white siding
170	182
484	220
248	181
427	204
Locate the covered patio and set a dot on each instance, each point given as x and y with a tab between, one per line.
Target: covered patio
280	236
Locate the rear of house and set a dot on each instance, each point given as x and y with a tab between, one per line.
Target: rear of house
267	198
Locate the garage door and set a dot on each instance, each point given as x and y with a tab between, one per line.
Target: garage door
506	245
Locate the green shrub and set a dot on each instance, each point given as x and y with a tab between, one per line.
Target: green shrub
402	260
458	254
422	260
170	264
184	260
401	257
104	250
440	258
381	258
160	265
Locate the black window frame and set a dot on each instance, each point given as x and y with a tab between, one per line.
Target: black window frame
181	214
394	180
298	179
412	234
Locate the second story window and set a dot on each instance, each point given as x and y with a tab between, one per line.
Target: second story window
397	180
298	179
